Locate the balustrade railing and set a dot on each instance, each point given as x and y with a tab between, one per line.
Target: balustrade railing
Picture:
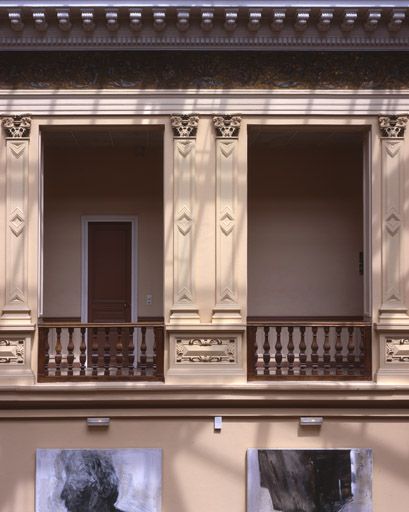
95	351
289	349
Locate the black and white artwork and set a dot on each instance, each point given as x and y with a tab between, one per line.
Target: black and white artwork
122	480
309	480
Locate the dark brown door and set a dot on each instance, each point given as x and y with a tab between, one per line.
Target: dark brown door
109	271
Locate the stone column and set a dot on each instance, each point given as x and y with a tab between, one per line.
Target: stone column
393	325
16	328
17	130
227	308
393	309
184	309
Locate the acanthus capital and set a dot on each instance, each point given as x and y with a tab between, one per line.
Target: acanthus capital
394	126
227	126
17	126
184	126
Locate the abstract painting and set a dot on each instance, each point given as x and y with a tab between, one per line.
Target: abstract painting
309	480
122	480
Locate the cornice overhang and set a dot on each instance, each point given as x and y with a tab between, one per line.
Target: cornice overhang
214	25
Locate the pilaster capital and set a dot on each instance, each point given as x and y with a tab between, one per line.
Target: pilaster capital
184	126
227	126
17	126
393	127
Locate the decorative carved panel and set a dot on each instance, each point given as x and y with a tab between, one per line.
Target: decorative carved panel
17	127
393	126
397	350
184	126
206	350
11	351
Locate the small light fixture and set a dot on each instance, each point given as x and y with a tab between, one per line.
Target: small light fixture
218	423
311	421
98	422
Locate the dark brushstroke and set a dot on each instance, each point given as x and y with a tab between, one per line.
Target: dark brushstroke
306	480
91	483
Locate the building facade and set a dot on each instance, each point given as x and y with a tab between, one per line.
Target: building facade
204	214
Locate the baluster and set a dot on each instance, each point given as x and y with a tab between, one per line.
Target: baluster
314	351
338	351
107	352
70	350
361	351
266	353
83	350
351	349
278	351
46	348
131	349
303	348
252	351
327	349
158	353
94	352
290	348
58	355
142	358
119	352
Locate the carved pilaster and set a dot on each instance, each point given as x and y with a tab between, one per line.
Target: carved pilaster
17	131
393	308
227	308
184	309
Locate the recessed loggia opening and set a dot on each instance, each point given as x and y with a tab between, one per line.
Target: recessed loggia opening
102	254
308	253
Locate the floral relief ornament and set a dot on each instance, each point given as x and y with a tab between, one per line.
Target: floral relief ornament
184	125
17	126
393	126
227	127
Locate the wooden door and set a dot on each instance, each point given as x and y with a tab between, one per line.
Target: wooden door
109	286
109	271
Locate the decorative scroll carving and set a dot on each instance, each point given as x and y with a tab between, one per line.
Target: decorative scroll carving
393	126
11	351
18	126
227	127
184	126
397	350
206	350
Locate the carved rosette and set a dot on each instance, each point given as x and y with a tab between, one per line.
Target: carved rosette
393	127
206	350
227	127
11	351
17	126
184	126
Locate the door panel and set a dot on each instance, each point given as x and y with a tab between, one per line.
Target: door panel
109	271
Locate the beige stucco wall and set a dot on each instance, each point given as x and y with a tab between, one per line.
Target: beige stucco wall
119	180
202	470
305	223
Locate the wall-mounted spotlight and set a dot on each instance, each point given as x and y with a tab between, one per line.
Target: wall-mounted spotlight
98	422
311	421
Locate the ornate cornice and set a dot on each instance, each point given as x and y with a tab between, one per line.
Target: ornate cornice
242	25
227	126
17	126
393	127
184	126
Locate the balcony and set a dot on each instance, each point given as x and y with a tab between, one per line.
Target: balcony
104	352
308	349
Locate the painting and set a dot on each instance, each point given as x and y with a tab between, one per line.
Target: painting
122	480
309	480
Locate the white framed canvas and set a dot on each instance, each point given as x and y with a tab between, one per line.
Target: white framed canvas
82	480
334	480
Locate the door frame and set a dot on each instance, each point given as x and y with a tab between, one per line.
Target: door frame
85	220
